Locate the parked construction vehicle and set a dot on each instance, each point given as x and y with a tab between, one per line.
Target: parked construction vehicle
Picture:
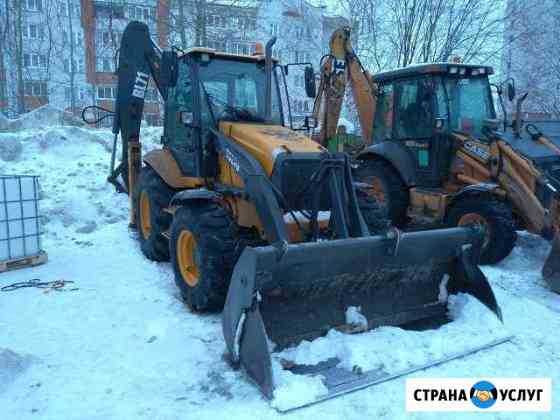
247	207
435	153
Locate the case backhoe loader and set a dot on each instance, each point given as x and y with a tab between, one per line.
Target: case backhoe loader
261	221
435	153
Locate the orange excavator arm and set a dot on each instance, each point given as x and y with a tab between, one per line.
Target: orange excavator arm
338	67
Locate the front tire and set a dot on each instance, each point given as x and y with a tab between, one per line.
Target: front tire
203	248
497	219
387	187
374	215
151	197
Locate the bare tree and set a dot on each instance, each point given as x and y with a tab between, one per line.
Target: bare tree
72	66
3	42
18	55
534	57
189	20
393	33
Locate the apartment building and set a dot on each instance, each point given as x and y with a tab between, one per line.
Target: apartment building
532	54
69	47
103	23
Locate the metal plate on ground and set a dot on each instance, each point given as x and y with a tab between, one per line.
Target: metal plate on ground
340	381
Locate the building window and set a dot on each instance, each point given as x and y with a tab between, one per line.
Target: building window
302	57
34	5
105	64
34	88
78	38
34	60
217	21
217	45
144	14
34	32
105	92
106	39
240	48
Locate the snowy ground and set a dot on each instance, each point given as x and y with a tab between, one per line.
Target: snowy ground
123	346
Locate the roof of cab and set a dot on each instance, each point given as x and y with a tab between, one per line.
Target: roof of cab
431	68
225	55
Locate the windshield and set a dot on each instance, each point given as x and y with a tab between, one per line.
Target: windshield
236	90
469	104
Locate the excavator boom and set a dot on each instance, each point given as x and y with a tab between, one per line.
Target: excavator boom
435	153
339	67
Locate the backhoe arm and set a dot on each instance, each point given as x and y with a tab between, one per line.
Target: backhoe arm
340	65
139	58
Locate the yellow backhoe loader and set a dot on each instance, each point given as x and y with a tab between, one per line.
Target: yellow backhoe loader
433	151
261	221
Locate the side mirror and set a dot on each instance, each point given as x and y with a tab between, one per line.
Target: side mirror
169	69
310	122
511	91
310	86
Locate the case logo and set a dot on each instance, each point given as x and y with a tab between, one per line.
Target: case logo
232	160
477	150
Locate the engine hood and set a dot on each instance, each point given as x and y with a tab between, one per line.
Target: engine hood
540	152
265	142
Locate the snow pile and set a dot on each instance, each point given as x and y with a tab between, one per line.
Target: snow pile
46	115
124	345
355	318
12	365
389	349
73	163
293	390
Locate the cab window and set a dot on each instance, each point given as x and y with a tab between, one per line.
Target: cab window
414	109
384	113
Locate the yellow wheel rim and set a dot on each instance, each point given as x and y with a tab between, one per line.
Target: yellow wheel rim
477	219
186	246
145	215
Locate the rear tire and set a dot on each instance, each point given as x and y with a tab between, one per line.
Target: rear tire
498	220
387	188
204	250
151	197
374	214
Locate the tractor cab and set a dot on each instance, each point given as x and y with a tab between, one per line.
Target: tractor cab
424	107
218	91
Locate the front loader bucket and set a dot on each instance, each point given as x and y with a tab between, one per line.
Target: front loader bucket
276	299
551	268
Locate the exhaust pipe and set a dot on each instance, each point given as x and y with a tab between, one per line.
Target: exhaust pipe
268	73
517	127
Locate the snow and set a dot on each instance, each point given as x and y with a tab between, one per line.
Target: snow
294	390
392	349
124	346
40	117
354	317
